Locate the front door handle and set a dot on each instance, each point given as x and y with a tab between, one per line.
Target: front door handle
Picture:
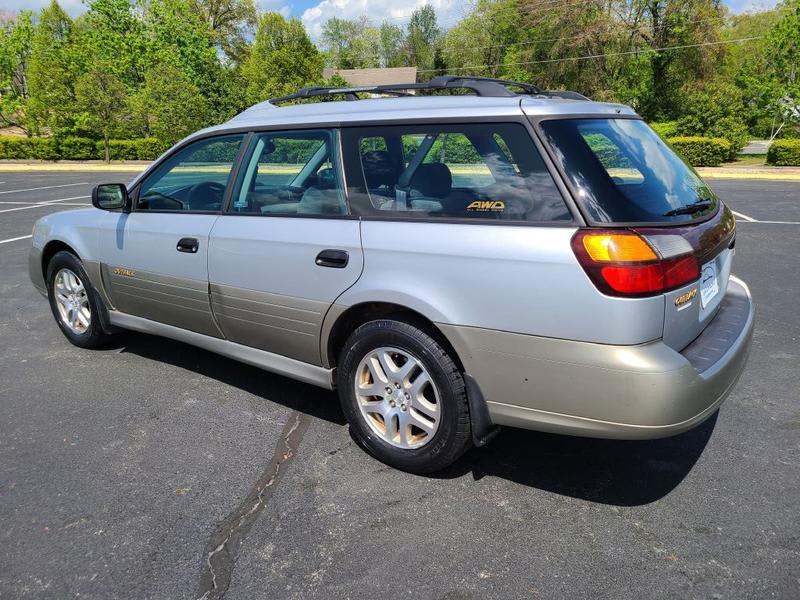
336	259
189	245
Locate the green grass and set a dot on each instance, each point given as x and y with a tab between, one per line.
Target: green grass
749	160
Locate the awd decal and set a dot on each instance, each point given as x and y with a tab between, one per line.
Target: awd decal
684	300
125	272
487	205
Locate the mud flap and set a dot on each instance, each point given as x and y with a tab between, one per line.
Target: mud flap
483	429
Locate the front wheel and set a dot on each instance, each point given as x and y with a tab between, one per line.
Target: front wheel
74	302
404	396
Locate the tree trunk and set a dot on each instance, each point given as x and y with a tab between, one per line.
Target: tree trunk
106	148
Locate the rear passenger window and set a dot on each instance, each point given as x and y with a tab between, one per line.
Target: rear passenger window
291	173
470	171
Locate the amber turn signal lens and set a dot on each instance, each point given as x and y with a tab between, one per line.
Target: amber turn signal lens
614	247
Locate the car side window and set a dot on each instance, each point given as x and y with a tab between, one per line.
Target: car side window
194	179
291	173
471	171
459	155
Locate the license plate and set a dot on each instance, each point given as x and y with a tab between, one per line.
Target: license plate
708	283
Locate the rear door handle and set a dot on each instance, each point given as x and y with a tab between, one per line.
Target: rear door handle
336	259
189	245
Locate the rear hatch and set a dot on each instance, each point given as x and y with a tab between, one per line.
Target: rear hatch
654	227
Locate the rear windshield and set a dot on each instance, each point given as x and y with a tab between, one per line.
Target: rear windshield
624	173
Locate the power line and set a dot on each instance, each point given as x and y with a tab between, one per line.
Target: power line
591	56
615	28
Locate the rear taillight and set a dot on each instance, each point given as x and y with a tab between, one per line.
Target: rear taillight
622	263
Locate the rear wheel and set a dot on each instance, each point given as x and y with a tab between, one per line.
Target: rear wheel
74	302
403	396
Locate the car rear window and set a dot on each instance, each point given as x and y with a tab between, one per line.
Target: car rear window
622	172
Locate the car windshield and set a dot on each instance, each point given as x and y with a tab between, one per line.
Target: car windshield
622	172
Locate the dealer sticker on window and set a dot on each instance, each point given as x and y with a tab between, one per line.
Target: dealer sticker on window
708	283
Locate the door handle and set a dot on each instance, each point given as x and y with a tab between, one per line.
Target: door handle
336	259
189	245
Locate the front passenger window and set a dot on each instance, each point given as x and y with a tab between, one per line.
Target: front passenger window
194	179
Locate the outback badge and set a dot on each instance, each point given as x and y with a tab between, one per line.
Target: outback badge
125	272
683	299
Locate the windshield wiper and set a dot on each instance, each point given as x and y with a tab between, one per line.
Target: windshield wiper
689	209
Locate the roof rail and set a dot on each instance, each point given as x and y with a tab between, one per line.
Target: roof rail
482	86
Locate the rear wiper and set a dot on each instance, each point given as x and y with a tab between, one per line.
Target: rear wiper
689	209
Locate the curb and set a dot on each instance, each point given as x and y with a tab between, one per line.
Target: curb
56	167
731	174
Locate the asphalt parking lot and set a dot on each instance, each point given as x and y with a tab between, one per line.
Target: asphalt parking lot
123	469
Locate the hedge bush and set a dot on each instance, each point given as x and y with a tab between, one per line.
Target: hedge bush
784	153
28	148
141	149
701	151
666	129
732	130
77	148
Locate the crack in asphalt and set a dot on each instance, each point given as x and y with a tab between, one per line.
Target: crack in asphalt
224	545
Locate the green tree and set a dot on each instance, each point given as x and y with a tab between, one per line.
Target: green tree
351	44
282	59
487	36
423	34
101	98
391	45
53	70
16	37
115	36
171	105
714	109
231	22
783	49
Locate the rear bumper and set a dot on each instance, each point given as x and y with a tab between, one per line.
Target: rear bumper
595	390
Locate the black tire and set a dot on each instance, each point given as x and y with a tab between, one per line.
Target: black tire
94	335
452	437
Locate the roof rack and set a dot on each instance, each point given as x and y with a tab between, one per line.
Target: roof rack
482	86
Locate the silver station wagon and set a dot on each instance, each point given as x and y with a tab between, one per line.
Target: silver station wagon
449	262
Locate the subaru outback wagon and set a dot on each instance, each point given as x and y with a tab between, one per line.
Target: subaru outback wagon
450	263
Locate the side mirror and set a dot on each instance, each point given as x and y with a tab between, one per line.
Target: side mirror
111	196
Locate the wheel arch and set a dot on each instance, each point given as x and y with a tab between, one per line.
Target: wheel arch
52	248
338	327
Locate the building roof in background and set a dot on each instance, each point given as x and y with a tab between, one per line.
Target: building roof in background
364	77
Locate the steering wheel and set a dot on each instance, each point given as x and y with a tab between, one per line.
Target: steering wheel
207	192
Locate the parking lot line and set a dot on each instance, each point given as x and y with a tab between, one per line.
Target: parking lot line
22	237
63	199
46	203
773	222
46	187
743	216
20	203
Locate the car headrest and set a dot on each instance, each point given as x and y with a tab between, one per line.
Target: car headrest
432	179
379	169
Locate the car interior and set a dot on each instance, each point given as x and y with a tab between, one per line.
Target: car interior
309	188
